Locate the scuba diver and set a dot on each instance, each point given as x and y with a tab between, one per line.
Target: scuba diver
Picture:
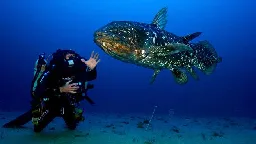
57	89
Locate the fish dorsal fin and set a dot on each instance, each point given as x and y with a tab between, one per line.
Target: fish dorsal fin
169	49
160	18
190	37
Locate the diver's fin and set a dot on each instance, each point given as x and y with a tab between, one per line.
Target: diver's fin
20	120
192	72
170	49
179	76
156	72
160	19
190	37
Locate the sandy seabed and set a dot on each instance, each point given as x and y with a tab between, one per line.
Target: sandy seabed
134	129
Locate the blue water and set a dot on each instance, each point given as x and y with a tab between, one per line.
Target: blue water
29	27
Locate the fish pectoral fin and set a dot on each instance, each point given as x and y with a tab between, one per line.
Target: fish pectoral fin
156	72
192	72
179	76
173	48
176	48
160	19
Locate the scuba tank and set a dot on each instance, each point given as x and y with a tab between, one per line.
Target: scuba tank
39	69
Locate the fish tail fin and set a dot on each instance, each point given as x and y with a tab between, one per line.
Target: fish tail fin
160	19
207	57
180	77
190	37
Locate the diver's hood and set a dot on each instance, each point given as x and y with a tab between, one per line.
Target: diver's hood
62	66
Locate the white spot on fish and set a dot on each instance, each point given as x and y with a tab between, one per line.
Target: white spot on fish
155	35
143	52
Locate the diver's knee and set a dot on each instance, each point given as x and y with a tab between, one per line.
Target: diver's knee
37	129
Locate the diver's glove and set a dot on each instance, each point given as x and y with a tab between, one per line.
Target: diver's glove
69	87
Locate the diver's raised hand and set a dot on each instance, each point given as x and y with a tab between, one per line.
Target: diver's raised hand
93	61
69	88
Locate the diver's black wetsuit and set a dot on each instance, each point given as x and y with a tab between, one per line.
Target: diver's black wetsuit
49	103
61	104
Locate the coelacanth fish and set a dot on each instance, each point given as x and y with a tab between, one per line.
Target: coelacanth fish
150	46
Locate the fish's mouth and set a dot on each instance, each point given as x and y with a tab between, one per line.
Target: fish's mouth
111	44
104	42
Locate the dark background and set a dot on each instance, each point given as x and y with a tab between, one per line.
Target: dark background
29	27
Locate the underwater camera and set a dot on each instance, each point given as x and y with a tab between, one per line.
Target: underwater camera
82	92
84	86
80	89
81	85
